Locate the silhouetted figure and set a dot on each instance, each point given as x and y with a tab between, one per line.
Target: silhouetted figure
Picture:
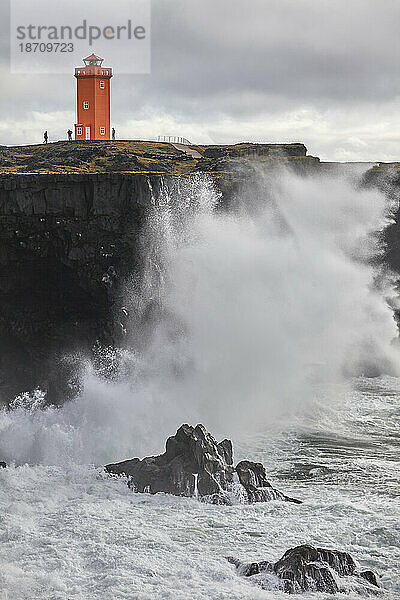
45	137
69	135
113	133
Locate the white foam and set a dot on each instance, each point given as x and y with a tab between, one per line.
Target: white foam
251	301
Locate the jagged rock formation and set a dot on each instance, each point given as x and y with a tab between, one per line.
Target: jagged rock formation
194	464
306	568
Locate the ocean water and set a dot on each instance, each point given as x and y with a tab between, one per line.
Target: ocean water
73	532
267	319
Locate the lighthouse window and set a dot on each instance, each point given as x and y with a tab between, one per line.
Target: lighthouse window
102	85
102	130
79	131
86	104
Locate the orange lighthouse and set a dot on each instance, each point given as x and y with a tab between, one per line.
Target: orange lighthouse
93	100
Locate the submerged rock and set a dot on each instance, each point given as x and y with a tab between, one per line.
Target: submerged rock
306	568
195	464
3	465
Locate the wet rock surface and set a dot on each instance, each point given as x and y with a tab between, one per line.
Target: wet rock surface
252	477
195	464
371	577
306	568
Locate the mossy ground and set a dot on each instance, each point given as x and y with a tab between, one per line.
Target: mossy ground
134	156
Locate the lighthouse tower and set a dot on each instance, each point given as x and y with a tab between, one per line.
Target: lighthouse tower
93	100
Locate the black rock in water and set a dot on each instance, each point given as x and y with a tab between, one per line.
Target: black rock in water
306	568
195	464
252	476
370	577
2	464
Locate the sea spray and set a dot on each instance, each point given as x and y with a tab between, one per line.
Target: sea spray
231	313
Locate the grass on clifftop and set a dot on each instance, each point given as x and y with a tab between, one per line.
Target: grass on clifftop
135	157
91	157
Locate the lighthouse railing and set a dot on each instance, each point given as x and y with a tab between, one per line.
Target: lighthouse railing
173	139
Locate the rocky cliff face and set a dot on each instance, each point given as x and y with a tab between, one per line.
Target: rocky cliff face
70	237
71	215
386	177
67	243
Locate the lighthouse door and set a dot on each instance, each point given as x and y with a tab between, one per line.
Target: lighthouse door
87	133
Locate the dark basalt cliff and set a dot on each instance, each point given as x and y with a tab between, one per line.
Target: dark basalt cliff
386	177
67	243
71	217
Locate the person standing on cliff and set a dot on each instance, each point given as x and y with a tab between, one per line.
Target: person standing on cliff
45	137
69	132
113	133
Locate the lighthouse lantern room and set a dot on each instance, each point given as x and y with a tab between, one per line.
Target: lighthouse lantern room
93	100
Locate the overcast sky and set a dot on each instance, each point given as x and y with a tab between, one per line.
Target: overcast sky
323	72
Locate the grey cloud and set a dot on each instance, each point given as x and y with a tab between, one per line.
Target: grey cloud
318	49
245	59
